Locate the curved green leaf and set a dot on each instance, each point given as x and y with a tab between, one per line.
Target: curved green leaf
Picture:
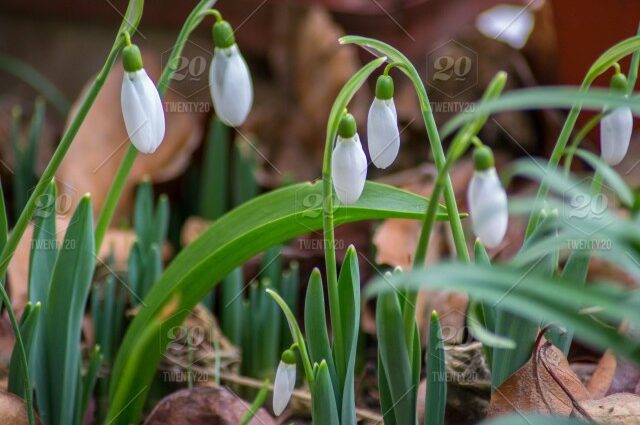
609	175
436	399
132	16
239	235
324	400
531	296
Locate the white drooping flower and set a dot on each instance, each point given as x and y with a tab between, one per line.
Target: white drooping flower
284	383
229	78
349	163
617	125
615	134
141	105
487	200
383	136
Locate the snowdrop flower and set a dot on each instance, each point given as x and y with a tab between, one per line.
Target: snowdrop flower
349	169
616	126
487	200
140	101
383	136
229	78
285	381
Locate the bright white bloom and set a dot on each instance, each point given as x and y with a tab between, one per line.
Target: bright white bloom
615	135
230	85
142	111
487	202
349	169
283	386
383	136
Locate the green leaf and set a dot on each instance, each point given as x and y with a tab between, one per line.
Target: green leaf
161	220
395	358
214	178
289	289
28	328
436	399
232	306
349	295
324	408
475	319
142	215
70	284
89	381
44	251
315	327
386	403
612	178
531	296
230	241
245	185
4	226
542	98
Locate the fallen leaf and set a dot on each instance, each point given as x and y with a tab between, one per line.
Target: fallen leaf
616	409
602	377
101	142
204	406
533	389
14	410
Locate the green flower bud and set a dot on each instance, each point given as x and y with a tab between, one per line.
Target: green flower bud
384	87
347	127
131	58
288	357
223	35
483	158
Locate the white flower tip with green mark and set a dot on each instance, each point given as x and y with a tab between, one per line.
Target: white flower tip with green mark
615	134
230	85
283	386
383	135
349	169
487	201
142	111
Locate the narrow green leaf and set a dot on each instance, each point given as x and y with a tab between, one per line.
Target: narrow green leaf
132	16
229	242
143	213
386	403
161	220
475	319
134	273
214	196
271	266
349	295
28	328
324	408
436	399
315	327
610	176
532	296
393	353
89	381
4	226
232	306
289	289
68	293
244	169
257	403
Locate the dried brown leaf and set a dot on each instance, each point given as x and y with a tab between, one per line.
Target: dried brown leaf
616	409
602	377
533	389
204	406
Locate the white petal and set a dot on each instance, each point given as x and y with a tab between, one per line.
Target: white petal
383	136
487	201
508	23
142	111
230	85
349	169
283	386
615	134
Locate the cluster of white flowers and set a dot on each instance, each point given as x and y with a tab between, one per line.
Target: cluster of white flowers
487	198
229	82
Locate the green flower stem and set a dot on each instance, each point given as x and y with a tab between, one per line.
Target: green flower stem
296	334
115	191
579	137
22	353
257	403
460	144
